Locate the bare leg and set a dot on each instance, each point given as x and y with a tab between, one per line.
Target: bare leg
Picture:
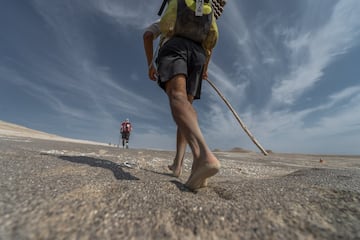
177	164
176	167
181	144
205	164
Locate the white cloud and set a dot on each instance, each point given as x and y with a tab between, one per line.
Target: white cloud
128	13
314	50
244	70
46	95
226	85
345	93
338	123
77	70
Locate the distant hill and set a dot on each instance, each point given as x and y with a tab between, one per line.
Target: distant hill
239	150
235	149
14	130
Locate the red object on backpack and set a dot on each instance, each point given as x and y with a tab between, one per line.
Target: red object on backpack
125	127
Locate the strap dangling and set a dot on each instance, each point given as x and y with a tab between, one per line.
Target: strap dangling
199	8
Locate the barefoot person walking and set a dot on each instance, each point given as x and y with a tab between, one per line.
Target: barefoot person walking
182	62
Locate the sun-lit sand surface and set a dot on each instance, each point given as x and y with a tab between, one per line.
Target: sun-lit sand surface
67	189
12	130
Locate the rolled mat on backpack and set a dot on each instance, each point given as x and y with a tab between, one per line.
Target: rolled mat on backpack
218	7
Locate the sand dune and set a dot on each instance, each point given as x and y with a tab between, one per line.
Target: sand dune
14	130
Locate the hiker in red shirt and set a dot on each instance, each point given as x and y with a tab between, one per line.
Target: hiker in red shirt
125	130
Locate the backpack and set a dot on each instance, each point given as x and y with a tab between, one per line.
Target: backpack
126	127
179	19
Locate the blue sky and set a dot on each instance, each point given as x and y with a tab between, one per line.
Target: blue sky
290	69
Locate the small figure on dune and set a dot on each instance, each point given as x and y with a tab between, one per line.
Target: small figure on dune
125	130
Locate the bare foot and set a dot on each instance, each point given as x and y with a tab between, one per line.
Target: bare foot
201	172
176	171
204	183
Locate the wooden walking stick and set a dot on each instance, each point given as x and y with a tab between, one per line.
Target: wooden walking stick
238	118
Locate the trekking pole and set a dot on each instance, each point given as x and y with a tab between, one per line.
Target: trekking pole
238	118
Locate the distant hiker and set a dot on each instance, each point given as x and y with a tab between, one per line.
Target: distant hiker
125	130
188	34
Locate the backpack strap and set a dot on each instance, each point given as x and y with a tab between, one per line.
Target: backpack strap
162	7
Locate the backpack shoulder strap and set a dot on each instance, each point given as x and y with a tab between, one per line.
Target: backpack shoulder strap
162	7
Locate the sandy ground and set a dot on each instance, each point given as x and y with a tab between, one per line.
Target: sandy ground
71	190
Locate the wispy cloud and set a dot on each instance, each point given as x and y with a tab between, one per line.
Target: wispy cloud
128	13
46	95
266	60
338	120
312	50
81	63
300	62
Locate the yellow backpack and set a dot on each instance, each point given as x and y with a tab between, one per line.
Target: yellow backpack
180	19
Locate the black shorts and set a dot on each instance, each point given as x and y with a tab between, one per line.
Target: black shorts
182	56
125	135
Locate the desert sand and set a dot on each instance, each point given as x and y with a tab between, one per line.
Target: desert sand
58	188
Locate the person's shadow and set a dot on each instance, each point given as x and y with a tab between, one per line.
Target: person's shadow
117	170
